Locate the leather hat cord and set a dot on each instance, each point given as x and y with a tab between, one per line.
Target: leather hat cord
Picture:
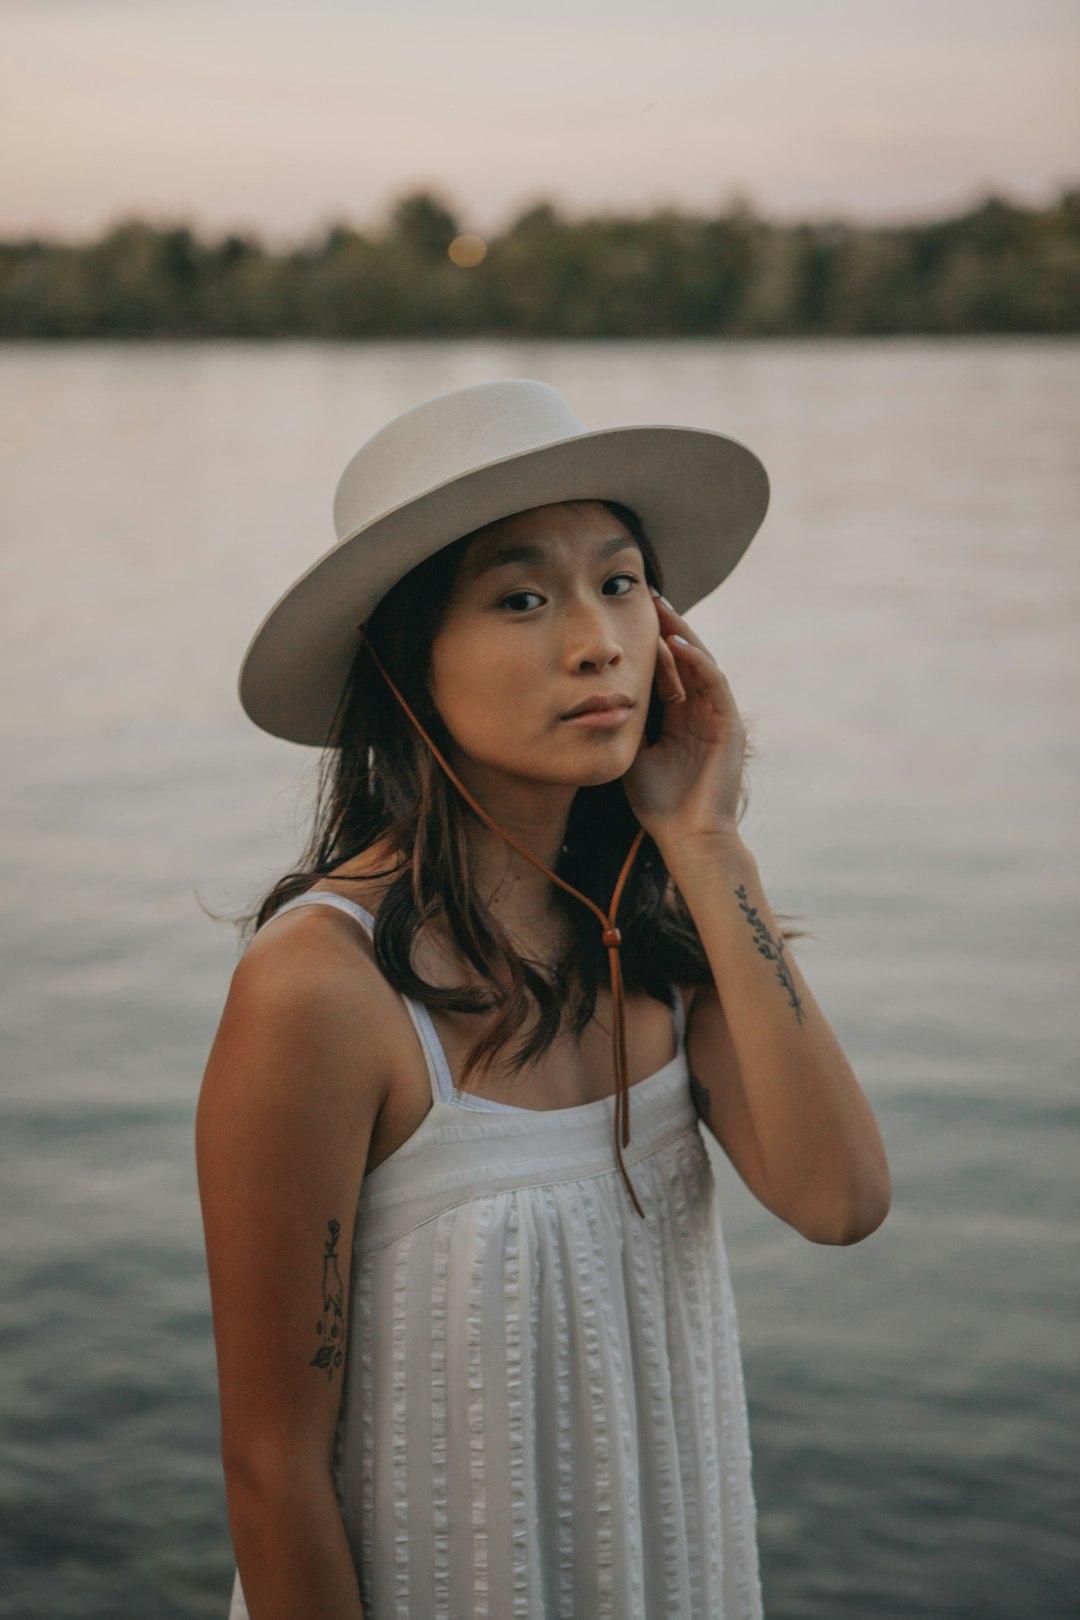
611	936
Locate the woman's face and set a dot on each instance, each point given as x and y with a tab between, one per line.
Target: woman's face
550	607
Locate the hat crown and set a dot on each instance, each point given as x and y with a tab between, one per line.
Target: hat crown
444	437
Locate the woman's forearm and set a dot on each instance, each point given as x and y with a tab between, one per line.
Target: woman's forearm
291	1549
819	1145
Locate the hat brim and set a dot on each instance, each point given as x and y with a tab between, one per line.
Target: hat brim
701	497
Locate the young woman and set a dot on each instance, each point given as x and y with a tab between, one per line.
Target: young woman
476	1340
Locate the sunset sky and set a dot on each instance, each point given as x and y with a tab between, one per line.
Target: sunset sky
280	115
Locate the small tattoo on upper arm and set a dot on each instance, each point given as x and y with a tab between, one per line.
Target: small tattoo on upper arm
772	950
701	1097
331	1324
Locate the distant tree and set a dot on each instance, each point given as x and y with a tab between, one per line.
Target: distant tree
538	218
424	225
233	250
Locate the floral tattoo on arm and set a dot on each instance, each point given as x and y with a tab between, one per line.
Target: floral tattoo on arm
772	950
331	1324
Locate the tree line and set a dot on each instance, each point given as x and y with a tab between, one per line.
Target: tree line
999	267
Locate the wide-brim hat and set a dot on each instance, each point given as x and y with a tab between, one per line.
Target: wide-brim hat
460	461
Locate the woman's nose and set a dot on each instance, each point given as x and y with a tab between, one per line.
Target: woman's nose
594	646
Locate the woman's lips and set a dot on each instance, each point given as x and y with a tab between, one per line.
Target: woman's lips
599	719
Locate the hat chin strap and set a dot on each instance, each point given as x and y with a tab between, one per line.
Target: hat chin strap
612	937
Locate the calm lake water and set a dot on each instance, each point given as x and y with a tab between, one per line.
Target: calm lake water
902	636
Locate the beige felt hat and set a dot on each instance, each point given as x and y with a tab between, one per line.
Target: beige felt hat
464	459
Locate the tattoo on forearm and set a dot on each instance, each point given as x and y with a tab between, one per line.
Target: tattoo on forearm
773	950
701	1098
331	1324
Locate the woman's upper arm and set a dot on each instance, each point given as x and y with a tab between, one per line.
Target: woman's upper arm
295	1079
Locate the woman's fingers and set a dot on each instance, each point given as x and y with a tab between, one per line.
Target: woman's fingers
698	670
670	688
688	665
671	623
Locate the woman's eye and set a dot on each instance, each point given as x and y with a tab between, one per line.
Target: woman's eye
516	596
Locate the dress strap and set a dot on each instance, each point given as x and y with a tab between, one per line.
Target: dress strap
439	1076
680	1017
323	897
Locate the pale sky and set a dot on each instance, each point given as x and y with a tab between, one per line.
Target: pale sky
281	115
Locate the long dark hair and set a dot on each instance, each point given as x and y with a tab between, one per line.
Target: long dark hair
381	783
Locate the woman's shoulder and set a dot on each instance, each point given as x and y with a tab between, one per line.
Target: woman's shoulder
312	964
307	1014
316	954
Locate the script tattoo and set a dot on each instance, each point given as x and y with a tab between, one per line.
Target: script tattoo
331	1325
770	948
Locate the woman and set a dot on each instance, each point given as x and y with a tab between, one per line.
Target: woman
476	1341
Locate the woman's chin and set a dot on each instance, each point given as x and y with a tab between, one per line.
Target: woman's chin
599	771
603	758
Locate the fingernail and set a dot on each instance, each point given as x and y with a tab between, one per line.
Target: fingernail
667	604
654	590
681	640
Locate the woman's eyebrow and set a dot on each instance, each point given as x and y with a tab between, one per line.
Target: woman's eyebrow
536	554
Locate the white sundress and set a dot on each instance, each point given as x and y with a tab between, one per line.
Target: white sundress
543	1414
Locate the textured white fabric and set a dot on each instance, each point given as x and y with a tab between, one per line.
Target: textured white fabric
543	1414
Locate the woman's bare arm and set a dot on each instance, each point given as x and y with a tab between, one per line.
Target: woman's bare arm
769	1076
295	1079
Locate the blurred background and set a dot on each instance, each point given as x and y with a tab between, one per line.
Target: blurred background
235	240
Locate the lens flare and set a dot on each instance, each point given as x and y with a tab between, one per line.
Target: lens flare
467	250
